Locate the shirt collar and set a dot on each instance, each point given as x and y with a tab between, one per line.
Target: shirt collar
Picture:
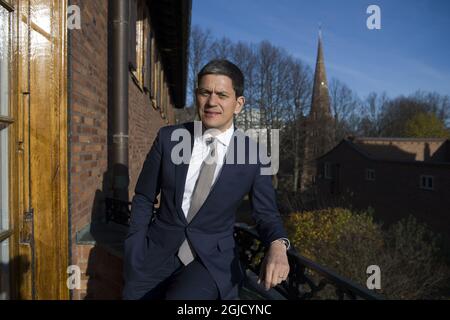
224	137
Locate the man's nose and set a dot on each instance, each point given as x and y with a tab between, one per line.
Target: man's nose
213	100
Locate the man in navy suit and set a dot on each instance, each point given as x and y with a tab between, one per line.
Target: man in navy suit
202	171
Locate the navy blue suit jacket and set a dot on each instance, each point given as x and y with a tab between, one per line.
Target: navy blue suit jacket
153	239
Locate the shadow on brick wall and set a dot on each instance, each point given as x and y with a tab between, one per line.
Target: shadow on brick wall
104	264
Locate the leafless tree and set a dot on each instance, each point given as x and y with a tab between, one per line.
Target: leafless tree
199	53
370	119
244	56
222	49
299	97
344	105
272	89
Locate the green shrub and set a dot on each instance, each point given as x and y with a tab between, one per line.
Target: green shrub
349	242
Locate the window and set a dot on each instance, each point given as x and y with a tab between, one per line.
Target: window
132	35
148	61
152	66
427	182
163	99
156	77
370	174
4	61
140	44
5	121
327	170
159	74
140	28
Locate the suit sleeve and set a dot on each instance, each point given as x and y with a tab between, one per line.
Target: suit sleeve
265	210
147	188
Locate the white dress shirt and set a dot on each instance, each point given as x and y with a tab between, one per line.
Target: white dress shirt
199	153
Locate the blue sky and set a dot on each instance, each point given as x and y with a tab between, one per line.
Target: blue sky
410	52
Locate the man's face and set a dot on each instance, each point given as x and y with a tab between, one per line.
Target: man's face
217	101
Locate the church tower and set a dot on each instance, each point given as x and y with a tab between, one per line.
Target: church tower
319	125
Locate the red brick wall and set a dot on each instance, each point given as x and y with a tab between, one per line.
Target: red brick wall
88	124
88	110
88	96
143	123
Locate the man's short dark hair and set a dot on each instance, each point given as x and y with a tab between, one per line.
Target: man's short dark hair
225	68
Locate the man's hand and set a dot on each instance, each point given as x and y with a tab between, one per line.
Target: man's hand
275	266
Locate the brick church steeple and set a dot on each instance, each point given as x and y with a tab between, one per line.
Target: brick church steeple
319	125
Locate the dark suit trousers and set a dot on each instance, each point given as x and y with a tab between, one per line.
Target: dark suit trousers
174	281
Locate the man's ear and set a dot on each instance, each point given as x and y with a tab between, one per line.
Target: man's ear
240	101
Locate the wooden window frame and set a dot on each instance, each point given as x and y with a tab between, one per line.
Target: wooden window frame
138	43
8	5
153	67
148	62
158	81
132	63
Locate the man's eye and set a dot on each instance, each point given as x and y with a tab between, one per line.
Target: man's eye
222	96
204	93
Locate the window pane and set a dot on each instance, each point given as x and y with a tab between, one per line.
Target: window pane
4	61
4	194
4	111
4	270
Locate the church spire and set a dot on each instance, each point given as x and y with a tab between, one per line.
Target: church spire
320	105
319	126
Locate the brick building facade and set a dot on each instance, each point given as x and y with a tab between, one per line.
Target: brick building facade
396	177
90	174
81	104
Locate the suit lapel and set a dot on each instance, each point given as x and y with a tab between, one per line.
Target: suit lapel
180	177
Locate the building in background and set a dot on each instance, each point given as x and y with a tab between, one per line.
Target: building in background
397	177
79	111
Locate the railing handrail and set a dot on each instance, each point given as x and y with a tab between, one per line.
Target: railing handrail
331	276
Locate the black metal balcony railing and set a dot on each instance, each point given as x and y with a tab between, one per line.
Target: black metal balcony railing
118	211
306	280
